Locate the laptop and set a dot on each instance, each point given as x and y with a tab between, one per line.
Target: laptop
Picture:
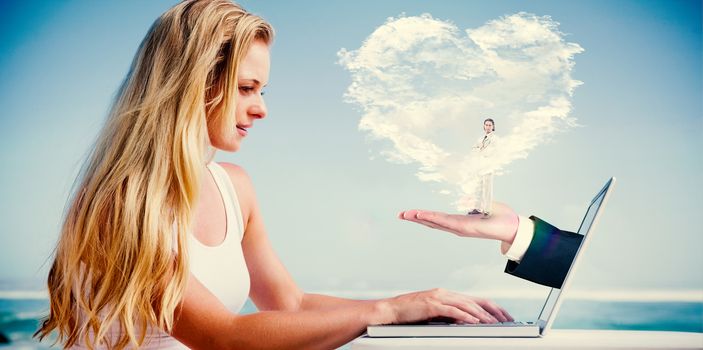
537	328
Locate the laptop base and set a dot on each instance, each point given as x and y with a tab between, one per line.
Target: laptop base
516	330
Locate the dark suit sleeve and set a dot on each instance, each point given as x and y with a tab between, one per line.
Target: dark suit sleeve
548	257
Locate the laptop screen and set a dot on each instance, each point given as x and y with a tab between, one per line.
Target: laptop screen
585	227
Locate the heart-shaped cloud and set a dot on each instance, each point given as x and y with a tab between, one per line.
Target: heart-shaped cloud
426	87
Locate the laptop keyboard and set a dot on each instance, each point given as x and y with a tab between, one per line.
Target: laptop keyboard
450	321
515	323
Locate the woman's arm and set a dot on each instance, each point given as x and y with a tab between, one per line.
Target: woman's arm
292	319
272	287
203	322
486	310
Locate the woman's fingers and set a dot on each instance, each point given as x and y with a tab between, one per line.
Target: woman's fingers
456	313
477	311
442	303
469	305
508	317
494	309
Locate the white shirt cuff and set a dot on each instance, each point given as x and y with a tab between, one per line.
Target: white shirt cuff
523	237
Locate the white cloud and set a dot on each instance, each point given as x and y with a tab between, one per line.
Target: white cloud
426	86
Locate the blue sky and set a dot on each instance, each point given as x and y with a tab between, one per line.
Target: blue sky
328	201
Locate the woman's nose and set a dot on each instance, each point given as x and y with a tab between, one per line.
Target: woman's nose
258	109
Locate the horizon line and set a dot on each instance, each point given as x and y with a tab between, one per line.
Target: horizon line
631	295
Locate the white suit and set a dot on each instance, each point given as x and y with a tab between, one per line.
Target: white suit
485	145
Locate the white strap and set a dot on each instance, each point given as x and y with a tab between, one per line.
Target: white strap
229	194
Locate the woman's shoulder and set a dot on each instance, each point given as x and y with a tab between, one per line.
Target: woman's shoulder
234	170
239	177
242	184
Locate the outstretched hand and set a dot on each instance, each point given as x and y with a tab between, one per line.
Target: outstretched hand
501	225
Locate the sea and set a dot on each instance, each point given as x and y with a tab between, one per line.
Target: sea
21	314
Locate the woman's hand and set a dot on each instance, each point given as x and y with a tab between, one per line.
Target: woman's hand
500	225
420	306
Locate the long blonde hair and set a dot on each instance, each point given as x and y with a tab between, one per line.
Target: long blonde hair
121	258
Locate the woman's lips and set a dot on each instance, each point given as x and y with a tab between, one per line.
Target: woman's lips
242	130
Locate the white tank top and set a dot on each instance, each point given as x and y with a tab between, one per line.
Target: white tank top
221	268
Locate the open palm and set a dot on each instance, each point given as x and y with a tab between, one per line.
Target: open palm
501	225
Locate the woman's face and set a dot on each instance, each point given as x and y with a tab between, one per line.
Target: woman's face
253	76
488	126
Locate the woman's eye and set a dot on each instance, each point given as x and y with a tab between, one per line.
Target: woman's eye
246	89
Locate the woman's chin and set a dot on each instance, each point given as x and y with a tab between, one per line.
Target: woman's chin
232	146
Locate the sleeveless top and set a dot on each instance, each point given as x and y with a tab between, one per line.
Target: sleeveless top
221	268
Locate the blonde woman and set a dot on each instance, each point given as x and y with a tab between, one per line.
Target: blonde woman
161	247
